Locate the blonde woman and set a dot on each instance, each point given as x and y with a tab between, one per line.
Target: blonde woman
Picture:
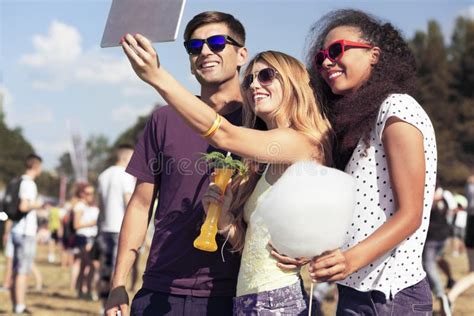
85	225
277	90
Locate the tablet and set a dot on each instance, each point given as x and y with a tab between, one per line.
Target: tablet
158	20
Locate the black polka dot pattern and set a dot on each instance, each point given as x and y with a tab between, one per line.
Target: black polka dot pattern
375	201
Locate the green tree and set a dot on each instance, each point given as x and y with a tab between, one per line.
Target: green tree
1	108
65	166
435	94
131	135
466	132
462	52
462	68
98	156
48	184
433	74
14	149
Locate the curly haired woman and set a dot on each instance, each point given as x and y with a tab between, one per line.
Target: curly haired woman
365	74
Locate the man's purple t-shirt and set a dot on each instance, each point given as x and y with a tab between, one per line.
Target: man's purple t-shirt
169	154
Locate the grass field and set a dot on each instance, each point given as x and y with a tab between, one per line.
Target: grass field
56	298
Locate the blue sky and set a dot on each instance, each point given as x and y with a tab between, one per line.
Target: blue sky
56	78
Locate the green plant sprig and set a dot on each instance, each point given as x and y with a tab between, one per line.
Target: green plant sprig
218	160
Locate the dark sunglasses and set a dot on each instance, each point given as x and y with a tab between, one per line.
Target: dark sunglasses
264	76
336	50
215	43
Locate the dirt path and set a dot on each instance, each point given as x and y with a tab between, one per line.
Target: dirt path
56	298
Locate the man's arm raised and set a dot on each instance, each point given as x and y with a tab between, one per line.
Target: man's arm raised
132	236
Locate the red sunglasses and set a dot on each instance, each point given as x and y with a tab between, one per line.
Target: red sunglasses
336	50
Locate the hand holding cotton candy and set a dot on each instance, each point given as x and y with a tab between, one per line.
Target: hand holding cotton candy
308	210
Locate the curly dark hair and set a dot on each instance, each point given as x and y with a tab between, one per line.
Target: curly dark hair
353	116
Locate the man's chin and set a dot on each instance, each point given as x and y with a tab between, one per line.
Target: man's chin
209	79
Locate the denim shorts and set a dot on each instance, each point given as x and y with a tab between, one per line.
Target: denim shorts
107	244
413	300
24	251
288	300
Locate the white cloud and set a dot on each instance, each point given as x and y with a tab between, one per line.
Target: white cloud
468	12
96	67
60	61
128	114
62	45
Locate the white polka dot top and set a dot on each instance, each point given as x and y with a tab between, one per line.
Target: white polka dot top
375	203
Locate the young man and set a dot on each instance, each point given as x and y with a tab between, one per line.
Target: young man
23	234
179	279
115	188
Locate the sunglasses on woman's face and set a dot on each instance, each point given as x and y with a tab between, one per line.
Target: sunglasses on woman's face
264	76
215	43
336	50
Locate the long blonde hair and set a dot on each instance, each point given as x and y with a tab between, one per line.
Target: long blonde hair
299	109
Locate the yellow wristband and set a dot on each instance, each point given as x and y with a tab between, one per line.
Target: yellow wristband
215	126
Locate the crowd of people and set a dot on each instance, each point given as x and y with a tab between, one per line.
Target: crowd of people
81	235
350	107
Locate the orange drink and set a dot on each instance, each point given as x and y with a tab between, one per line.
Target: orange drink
206	241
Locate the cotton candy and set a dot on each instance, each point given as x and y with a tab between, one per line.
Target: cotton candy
308	210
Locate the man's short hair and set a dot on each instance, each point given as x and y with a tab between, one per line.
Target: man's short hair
236	28
32	160
122	153
125	146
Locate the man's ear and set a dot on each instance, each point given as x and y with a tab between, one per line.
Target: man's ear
375	55
243	56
